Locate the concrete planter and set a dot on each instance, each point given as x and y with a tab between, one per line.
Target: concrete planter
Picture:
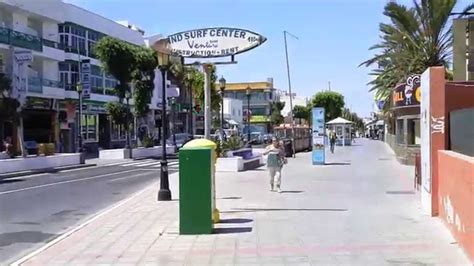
237	163
135	153
39	162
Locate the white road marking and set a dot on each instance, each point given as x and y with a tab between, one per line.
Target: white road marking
79	227
170	164
134	163
125	177
146	164
65	182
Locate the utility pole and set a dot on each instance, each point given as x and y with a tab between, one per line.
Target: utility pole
329	85
289	91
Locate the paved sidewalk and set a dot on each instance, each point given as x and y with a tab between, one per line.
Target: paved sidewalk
358	210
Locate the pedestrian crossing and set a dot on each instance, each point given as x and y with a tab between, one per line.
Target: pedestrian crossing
150	163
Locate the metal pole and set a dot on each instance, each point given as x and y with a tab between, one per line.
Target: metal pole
173	127
191	131
207	101
222	114
248	118
128	125
291	96
80	123
164	194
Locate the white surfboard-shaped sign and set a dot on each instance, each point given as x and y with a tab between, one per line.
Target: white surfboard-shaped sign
213	42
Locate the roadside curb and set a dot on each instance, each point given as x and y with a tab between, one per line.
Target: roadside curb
43	171
80	226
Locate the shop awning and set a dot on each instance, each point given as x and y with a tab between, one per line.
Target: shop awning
232	122
339	120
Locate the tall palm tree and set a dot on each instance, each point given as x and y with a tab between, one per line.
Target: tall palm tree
415	38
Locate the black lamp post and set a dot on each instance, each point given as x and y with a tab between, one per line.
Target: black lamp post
127	98
173	121
222	87
164	194
189	78
247	92
79	136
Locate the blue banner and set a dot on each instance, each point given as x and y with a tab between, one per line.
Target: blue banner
318	136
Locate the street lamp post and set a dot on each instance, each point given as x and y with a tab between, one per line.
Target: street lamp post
79	135
248	113
127	144
189	78
222	87
164	194
173	122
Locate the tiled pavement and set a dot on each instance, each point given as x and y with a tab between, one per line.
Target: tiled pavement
360	209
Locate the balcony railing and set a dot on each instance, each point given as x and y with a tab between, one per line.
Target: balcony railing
24	40
53	44
35	85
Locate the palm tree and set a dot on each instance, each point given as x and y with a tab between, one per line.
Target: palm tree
416	38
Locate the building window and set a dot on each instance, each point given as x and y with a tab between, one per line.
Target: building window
233	111
90	127
400	131
414	134
119	131
259	111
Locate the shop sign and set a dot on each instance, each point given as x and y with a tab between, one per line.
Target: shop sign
259	119
97	109
38	103
318	134
86	78
408	93
213	42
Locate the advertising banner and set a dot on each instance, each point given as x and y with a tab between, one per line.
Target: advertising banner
408	93
86	78
318	135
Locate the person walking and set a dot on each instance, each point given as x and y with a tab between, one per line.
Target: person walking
332	140
275	161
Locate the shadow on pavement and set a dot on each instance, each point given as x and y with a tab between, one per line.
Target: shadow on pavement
231	198
402	192
235	221
237	210
292	191
343	163
8	181
232	230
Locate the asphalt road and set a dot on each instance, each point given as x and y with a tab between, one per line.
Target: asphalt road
36	209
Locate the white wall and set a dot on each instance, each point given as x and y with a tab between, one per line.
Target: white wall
233	104
47	8
50	70
297	100
96	22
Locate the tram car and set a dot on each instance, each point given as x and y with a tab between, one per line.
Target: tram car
302	137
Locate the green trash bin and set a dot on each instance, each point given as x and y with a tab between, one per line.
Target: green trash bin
195	190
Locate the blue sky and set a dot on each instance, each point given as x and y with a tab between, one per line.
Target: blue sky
334	36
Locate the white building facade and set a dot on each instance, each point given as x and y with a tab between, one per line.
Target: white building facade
296	100
233	111
59	36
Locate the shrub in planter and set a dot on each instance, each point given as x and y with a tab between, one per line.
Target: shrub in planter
148	141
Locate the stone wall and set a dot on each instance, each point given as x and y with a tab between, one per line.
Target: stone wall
405	154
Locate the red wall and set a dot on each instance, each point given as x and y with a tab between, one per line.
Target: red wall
456	197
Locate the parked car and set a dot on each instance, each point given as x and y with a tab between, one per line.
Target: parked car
181	139
267	138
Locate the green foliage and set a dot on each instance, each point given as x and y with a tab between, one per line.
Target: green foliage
352	116
118	58
189	77
148	141
143	77
331	101
118	112
128	63
302	112
231	144
276	118
414	39
8	105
